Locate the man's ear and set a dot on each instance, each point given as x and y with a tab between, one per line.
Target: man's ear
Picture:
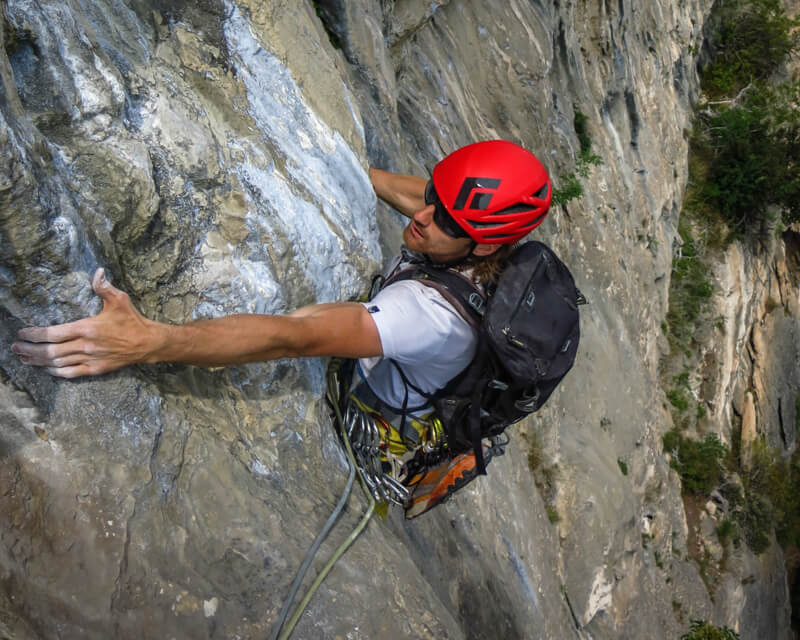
483	250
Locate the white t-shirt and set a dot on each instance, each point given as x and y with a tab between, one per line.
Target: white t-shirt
424	334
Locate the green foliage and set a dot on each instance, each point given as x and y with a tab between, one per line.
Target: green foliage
552	514
571	187
671	440
771	498
587	160
733	494
682	379
757	520
677	398
726	529
690	289
699	463
680	396
580	122
623	466
570	190
748	174
701	630
754	147
750	40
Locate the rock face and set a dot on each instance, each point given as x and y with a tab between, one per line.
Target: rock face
212	156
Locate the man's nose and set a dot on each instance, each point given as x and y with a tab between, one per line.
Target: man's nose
423	217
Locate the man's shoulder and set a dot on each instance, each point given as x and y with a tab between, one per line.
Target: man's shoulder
421	304
412	290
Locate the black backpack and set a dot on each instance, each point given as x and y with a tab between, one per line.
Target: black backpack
528	328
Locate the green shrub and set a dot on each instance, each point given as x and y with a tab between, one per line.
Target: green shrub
700	630
733	494
586	160
671	440
623	466
750	40
726	529
678	399
580	122
690	289
570	190
699	463
771	500
757	520
570	185
585	156
747	145
756	160
682	379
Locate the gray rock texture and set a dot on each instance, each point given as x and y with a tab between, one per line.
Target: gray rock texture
213	157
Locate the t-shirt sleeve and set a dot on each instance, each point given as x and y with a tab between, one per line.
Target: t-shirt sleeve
414	322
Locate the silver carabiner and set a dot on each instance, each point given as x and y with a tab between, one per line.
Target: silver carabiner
402	492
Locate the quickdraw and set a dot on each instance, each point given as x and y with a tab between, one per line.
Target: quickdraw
364	434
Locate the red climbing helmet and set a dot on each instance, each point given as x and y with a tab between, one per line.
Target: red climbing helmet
496	191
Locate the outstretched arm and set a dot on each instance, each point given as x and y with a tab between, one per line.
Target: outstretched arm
401	192
119	336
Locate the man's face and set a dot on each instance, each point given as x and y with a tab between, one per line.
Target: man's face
423	235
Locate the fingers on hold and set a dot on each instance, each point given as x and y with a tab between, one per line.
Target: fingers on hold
110	294
103	287
50	352
69	360
55	333
69	372
121	296
77	348
31	334
68	332
99	279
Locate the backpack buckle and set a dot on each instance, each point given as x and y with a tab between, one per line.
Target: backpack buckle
476	302
527	403
531	298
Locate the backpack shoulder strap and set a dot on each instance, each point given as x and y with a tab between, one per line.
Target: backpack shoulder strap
465	296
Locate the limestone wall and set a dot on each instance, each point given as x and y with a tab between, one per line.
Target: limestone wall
212	156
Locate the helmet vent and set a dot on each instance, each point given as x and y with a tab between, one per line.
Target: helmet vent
515	208
486	225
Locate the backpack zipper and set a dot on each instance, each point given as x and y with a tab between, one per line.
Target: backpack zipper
527	294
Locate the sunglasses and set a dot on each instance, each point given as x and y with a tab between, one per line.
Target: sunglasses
441	216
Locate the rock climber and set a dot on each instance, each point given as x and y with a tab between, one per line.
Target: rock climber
408	339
